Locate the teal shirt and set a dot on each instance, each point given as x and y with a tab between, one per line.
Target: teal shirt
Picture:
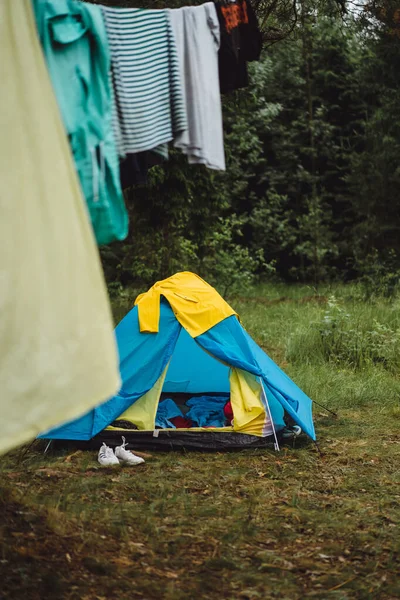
76	48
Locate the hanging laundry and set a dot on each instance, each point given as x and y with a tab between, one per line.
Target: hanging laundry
241	42
116	123
197	35
58	356
147	78
75	44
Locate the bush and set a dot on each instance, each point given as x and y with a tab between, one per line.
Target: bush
380	274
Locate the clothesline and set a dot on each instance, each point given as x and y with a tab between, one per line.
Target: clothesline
131	81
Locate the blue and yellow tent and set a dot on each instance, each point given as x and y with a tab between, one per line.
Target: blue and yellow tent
183	338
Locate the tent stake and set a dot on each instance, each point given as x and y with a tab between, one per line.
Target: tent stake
318	448
277	449
47	447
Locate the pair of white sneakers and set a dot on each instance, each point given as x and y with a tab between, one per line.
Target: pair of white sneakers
107	458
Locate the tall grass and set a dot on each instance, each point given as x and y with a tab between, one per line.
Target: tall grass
353	335
342	350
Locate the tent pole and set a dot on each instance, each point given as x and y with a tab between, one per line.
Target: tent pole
270	415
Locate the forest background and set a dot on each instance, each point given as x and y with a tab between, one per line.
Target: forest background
311	191
310	196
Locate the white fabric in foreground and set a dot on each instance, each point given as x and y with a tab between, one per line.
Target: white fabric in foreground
197	35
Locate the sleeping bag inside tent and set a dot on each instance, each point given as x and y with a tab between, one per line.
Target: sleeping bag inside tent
191	377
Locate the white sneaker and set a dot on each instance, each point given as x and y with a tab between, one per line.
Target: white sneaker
106	456
126	456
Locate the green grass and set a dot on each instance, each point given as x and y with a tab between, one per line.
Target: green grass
248	525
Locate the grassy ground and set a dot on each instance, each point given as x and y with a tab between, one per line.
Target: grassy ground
248	525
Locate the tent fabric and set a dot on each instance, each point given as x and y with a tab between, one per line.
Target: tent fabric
57	351
189	380
250	415
144	357
196	305
200	440
230	342
143	412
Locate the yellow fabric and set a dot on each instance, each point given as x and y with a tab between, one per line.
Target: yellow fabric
143	412
208	429
58	356
196	305
249	413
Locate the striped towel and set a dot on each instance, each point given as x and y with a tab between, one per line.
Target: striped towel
147	78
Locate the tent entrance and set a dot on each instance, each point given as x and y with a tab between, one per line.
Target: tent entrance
182	399
206	412
176	411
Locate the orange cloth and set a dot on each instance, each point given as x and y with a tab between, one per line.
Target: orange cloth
196	304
